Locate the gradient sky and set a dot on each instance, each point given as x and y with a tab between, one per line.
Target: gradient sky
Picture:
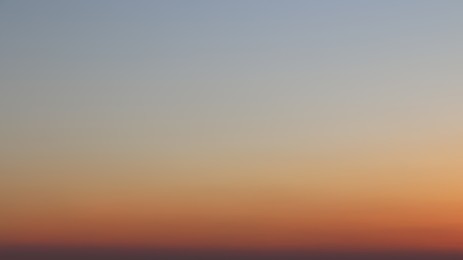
283	124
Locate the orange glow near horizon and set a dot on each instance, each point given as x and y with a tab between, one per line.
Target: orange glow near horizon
272	221
276	205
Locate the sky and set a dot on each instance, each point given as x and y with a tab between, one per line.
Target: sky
232	124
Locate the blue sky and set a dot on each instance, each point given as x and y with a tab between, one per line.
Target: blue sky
196	74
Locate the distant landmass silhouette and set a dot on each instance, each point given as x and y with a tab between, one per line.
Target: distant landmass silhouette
153	254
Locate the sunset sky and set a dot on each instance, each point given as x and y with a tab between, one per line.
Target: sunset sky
232	124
